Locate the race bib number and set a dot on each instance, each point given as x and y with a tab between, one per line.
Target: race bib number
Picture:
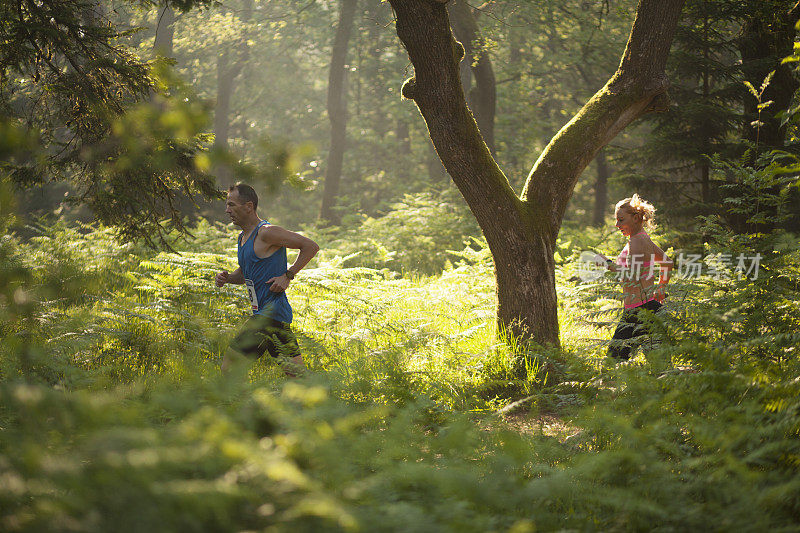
251	293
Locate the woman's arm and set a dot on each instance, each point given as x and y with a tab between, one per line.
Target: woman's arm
665	265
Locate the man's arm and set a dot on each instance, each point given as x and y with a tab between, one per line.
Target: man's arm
236	277
278	236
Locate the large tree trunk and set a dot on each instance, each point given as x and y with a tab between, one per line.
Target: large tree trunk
482	98
521	230
337	111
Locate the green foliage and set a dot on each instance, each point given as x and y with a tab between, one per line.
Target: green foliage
726	75
113	414
705	115
761	195
417	234
114	411
71	80
292	459
708	419
125	135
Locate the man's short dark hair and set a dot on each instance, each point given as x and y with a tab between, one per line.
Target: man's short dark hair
246	193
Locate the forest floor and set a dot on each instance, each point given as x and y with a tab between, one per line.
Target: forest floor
113	409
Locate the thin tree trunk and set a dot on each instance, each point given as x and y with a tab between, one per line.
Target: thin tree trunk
465	72
404	149
601	189
515	43
223	107
165	32
222	116
705	167
163	44
403	137
483	97
375	17
521	231
337	111
230	63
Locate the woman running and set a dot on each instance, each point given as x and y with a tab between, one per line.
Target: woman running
635	267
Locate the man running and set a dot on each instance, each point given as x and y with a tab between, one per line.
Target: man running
262	268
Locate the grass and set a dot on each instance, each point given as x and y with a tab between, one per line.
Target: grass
371	329
114	410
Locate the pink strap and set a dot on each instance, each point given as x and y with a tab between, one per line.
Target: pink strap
634	306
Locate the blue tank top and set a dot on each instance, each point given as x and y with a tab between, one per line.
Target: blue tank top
257	271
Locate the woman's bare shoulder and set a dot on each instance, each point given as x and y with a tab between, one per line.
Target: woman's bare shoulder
640	237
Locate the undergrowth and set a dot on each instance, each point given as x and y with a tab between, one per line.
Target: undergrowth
115	417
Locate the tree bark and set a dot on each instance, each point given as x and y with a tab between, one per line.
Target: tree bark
482	98
337	111
521	230
165	32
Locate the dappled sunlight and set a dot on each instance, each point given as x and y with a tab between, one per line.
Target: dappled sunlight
435	188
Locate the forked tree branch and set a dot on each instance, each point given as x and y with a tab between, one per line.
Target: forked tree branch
638	87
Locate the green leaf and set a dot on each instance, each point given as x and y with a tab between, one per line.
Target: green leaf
766	82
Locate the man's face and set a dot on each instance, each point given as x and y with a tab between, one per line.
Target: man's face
237	210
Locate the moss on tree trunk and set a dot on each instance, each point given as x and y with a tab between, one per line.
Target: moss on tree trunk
521	230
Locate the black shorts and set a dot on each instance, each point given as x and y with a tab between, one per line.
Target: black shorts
630	327
262	334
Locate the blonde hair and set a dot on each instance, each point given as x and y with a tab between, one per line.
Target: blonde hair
638	206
